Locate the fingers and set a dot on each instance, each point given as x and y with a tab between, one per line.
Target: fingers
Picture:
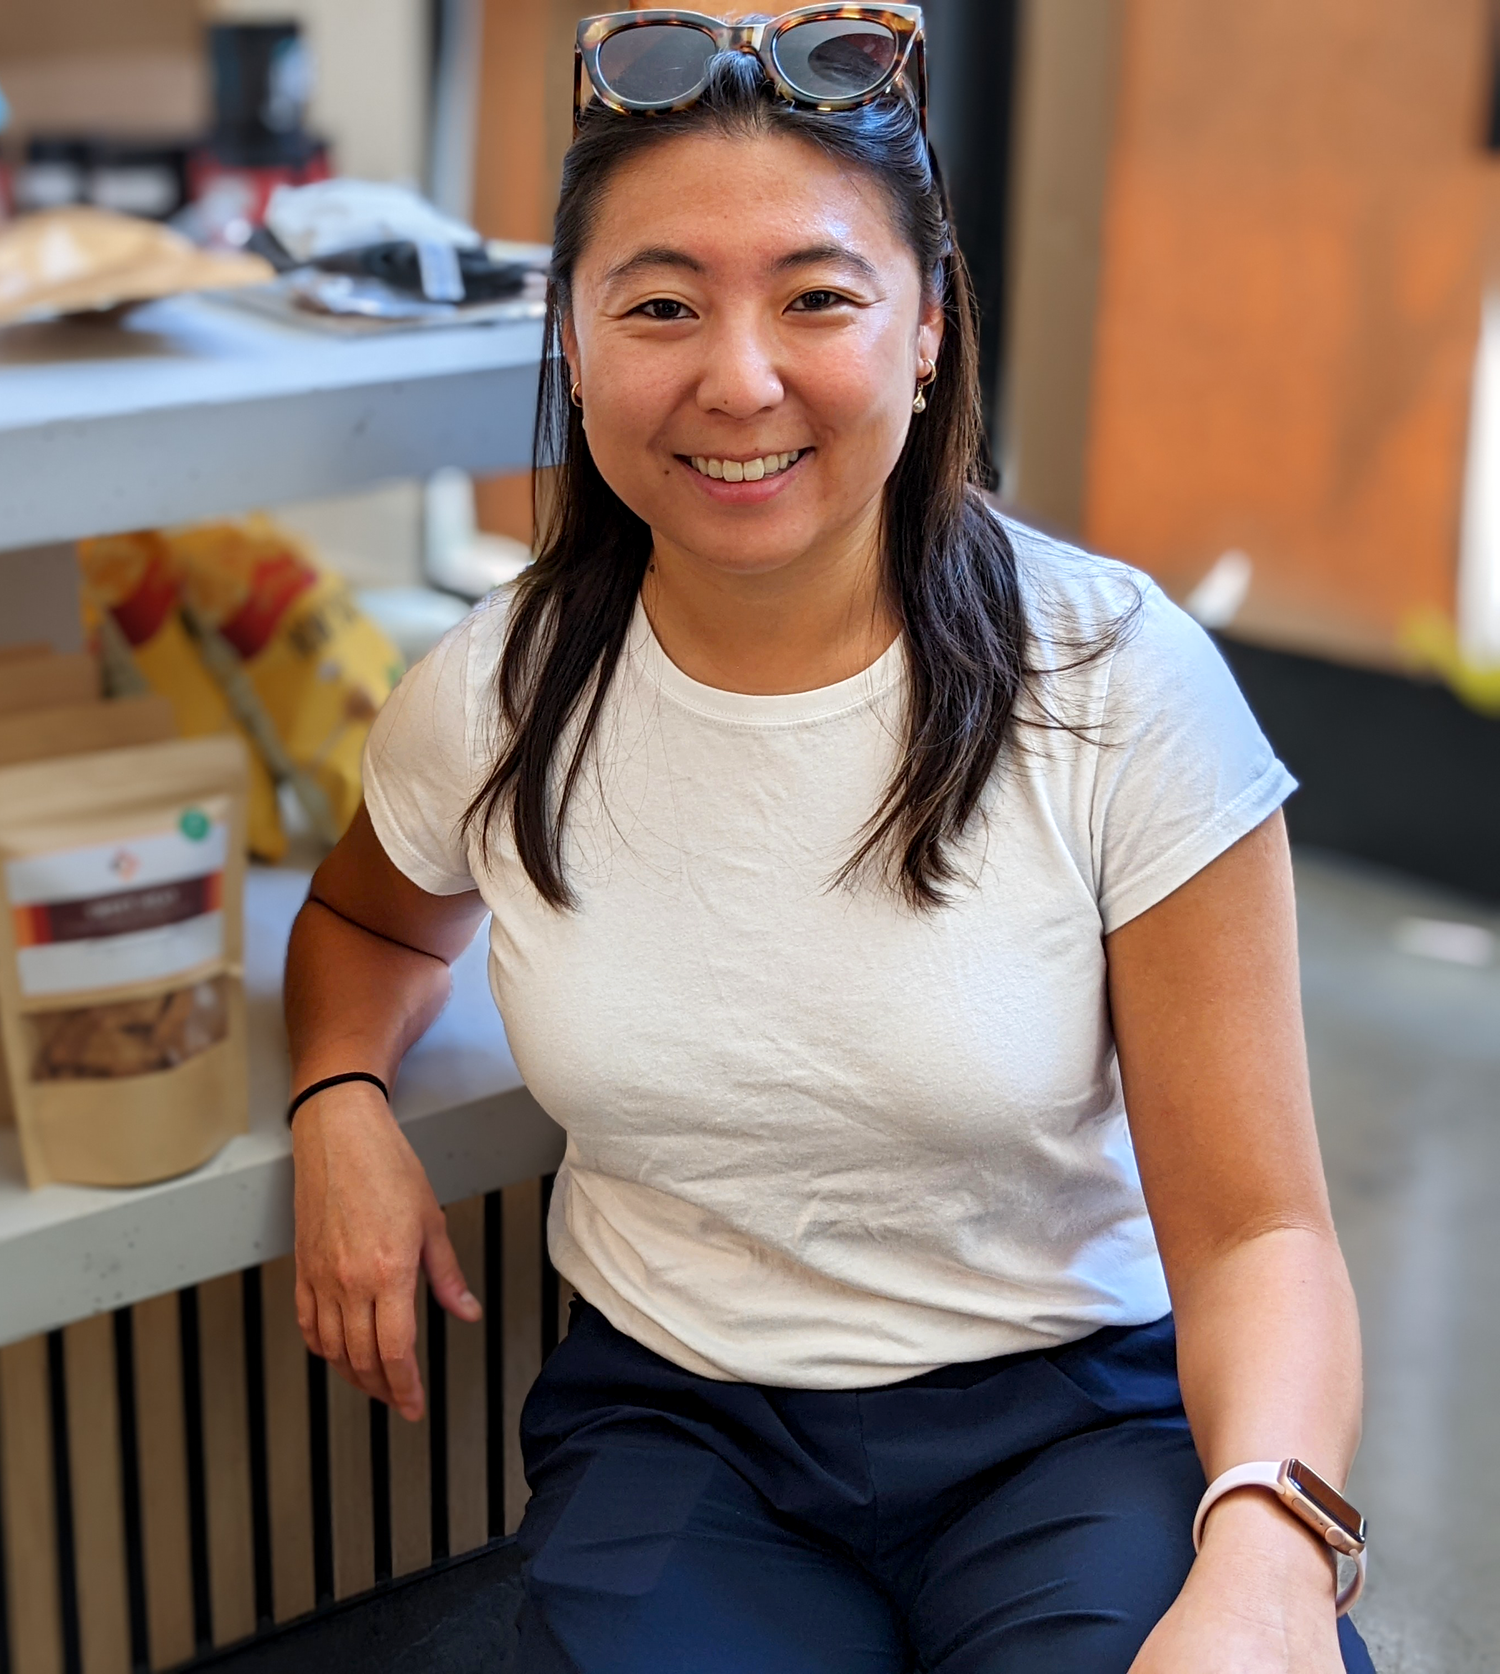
396	1333
362	1348
369	1342
445	1275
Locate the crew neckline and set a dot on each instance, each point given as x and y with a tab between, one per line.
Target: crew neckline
769	708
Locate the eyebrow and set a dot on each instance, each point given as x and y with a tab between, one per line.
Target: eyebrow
661	255
837	255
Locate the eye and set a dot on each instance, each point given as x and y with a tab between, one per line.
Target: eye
664	308
818	302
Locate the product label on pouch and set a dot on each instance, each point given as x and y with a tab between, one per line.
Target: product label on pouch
138	910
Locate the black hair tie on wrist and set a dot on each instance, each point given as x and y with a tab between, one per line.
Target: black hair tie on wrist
334	1081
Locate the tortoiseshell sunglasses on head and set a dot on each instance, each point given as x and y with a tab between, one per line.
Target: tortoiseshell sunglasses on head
817	57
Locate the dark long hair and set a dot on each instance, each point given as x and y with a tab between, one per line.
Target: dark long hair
949	569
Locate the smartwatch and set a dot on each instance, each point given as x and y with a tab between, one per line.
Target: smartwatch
1307	1496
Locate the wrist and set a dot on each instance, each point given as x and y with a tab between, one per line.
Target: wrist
1252	1534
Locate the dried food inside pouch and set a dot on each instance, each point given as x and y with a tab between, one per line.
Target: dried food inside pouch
121	952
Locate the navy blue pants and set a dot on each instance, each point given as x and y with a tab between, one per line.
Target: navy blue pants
1030	1513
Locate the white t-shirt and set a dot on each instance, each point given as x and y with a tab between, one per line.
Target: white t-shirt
817	1139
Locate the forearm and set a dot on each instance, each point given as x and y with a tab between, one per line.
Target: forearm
1268	1357
1268	1353
355	1000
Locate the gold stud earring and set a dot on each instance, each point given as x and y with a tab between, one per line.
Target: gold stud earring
575	395
925	380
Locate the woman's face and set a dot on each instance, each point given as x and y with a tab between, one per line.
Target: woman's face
747	328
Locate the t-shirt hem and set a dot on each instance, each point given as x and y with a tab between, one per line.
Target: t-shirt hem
1252	806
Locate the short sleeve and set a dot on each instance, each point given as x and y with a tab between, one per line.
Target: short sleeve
1183	771
422	762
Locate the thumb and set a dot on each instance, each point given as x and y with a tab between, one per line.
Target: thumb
446	1277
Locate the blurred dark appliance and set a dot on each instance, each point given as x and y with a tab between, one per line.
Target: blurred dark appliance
262	82
1392	769
132	176
972	51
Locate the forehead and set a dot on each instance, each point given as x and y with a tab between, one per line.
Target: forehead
737	204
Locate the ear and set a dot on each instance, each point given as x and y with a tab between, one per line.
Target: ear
930	330
570	347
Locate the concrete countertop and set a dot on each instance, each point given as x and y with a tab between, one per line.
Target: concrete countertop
196	407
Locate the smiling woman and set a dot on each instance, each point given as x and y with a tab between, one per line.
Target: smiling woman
893	906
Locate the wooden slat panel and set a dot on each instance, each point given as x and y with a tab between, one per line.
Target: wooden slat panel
349	1470
160	1445
30	1520
468	1500
523	1329
288	1453
98	1504
226	1458
411	1471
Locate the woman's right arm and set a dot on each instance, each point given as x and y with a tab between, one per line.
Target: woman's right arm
367	973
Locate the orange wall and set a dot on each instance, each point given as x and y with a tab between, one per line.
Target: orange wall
1299	223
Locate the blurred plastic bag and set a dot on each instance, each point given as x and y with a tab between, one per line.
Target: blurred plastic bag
317	667
137	580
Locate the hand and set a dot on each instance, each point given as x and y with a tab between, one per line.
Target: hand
367	1219
1259	1600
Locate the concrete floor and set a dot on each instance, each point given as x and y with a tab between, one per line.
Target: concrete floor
1405	1053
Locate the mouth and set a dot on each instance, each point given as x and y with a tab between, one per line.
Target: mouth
756	469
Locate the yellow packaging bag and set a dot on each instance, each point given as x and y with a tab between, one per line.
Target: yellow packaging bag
137	580
318	666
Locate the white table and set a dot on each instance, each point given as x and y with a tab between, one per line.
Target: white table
195	407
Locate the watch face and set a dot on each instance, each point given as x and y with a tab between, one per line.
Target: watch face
1328	1500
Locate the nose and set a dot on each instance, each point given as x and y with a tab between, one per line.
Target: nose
740	377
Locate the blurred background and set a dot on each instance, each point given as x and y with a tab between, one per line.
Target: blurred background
1239	268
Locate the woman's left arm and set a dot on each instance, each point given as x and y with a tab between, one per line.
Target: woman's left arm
1205	1000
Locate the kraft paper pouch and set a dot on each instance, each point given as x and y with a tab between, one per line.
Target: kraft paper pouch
136	579
122	1008
76	729
46	682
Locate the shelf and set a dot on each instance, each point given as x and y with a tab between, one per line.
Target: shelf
194	407
67	1252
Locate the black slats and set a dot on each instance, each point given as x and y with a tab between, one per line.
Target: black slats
62	1493
130	1489
322	1485
253	1313
437	1422
380	1488
197	1472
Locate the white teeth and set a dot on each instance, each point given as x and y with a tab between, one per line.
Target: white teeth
748	470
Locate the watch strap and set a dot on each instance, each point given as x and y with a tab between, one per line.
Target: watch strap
1270	1475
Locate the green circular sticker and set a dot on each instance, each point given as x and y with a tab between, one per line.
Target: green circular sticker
194	824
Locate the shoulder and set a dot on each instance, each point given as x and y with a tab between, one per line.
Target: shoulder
445	702
1101	628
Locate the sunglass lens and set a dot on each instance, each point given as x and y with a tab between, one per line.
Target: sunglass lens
835	58
655	63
